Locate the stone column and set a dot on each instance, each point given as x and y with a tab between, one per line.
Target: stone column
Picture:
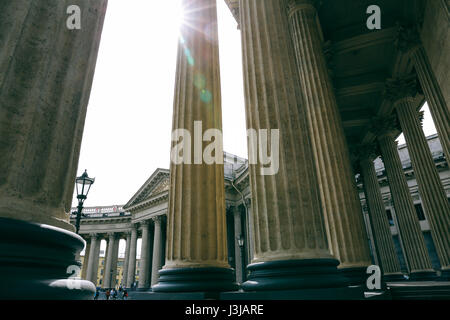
109	260
46	72
157	250
434	199
196	258
344	222
381	231
86	259
114	261
415	250
126	260
249	240
131	272
237	249
95	243
288	223
144	270
408	41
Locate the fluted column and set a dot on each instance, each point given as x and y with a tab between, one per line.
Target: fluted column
434	199
237	249
114	261
157	250
131	272
126	260
345	224
380	225
288	223
144	267
86	258
196	233
95	243
415	250
109	260
408	41
46	72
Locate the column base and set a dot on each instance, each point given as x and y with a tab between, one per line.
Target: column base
356	276
294	274
423	276
196	280
38	260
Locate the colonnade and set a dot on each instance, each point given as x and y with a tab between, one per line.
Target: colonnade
307	215
151	255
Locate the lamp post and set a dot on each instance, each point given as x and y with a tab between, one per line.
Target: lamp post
83	184
240	241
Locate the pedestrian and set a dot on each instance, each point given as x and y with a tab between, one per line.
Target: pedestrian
115	294
107	293
125	294
96	294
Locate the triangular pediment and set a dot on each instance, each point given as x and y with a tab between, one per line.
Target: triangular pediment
158	183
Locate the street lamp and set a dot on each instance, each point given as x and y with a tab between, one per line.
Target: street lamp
83	184
240	241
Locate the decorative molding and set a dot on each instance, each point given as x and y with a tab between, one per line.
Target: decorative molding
157	219
385	125
407	38
398	89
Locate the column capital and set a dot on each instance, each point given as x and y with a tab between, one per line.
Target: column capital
407	38
112	235
157	219
145	223
401	88
93	235
297	5
365	151
385	125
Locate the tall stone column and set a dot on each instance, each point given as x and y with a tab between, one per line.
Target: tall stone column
114	261
343	218
126	260
381	231
408	41
434	199
157	250
95	241
415	250
237	249
86	258
46	72
288	223
109	260
196	258
144	270
131	272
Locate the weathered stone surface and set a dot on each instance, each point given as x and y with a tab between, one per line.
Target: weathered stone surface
342	210
287	215
196	233
46	72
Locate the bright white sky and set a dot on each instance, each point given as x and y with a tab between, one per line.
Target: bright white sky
129	118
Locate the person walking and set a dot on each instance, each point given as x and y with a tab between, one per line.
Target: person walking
125	294
107	293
